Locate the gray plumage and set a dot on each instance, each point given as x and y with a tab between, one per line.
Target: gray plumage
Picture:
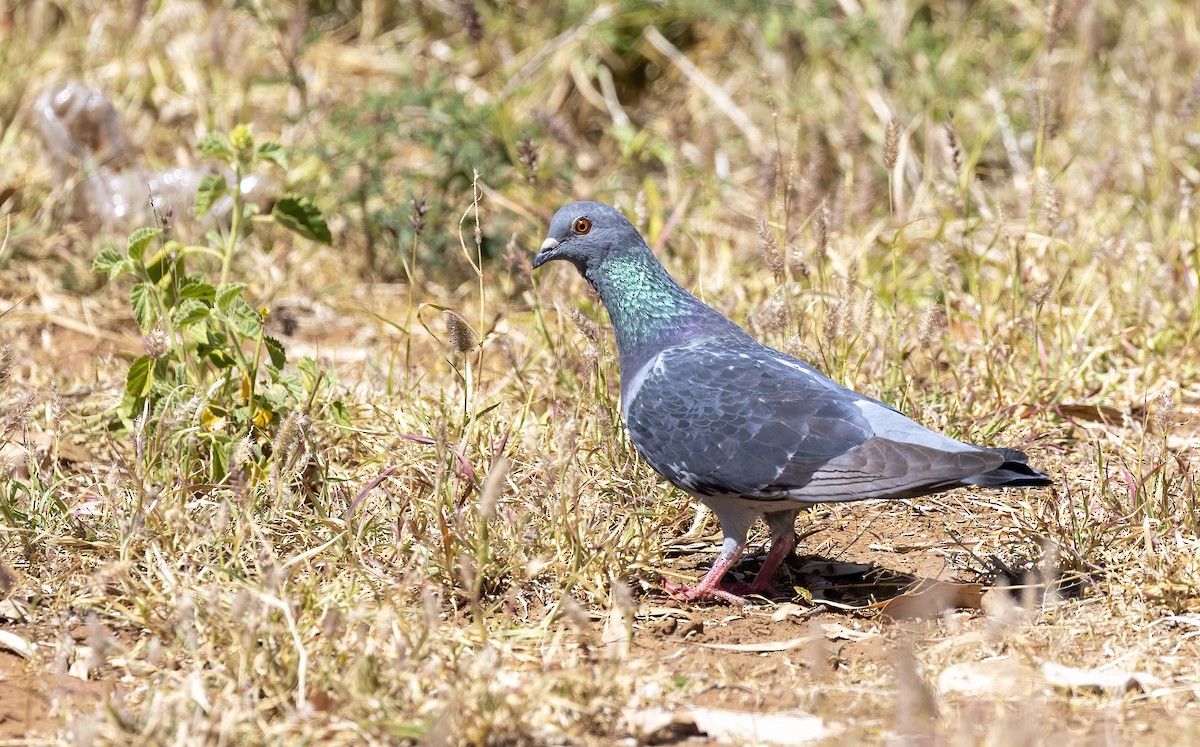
745	429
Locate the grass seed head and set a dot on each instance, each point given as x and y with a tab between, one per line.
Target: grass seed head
1164	410
1040	294
516	260
156	342
641	211
931	324
776	313
289	439
811	181
242	453
431	606
6	365
1111	250
489	495
770	250
956	156
1188	106
472	22
575	614
1051	201
831	330
584	324
1056	21
863	201
820	228
891	144
558	128
528	154
851	126
462	337
416	218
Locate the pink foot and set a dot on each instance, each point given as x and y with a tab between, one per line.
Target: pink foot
711	587
700	592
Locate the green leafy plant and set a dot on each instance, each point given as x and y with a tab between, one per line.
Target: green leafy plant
207	355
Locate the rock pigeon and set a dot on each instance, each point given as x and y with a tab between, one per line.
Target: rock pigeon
747	430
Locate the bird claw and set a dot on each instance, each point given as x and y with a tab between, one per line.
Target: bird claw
732	593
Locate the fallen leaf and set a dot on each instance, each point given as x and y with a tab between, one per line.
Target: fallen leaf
660	726
743	728
1084	411
758	648
927	598
837	631
12	642
992	678
1193	620
1098	680
90	504
790	609
79	668
614	636
781	729
840	605
14	610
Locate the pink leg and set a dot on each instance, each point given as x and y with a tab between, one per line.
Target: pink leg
711	586
781	547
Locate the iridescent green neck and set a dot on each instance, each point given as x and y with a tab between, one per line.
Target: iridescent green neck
648	309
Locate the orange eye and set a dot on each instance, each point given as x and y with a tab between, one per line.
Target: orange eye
581	226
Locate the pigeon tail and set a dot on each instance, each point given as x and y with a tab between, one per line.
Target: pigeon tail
1014	473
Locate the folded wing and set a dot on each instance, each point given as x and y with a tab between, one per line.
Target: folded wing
731	417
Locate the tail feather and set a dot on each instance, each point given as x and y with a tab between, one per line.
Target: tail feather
1015	472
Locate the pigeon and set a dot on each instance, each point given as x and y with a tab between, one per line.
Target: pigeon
744	429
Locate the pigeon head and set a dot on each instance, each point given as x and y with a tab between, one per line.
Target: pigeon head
648	309
585	233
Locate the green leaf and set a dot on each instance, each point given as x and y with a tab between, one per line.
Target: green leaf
220	462
215	145
106	260
276	396
273	152
139	299
216	356
299	215
140	378
276	351
211	189
340	414
308	367
139	240
227	292
294	387
245	320
200	291
190	311
124	267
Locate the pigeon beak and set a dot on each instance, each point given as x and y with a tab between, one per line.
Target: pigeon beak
546	254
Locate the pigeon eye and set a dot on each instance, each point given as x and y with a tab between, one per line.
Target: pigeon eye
581	226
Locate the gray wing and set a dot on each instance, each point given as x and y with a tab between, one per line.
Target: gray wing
733	420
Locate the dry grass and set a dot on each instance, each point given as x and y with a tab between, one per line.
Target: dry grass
983	213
